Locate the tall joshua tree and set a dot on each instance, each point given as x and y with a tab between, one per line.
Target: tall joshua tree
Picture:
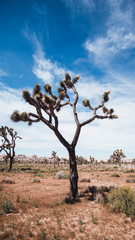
117	156
47	105
8	143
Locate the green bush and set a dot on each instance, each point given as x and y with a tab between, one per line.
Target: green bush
85	180
122	200
7	206
115	175
8	181
129	170
62	175
130	180
132	176
36	180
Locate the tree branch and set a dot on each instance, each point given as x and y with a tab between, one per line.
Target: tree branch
76	136
88	121
74	106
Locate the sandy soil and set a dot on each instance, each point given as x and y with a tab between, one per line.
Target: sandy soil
39	212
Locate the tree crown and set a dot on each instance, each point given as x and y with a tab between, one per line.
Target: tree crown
50	104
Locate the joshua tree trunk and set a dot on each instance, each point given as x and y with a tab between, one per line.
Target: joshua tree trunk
119	162
10	163
73	174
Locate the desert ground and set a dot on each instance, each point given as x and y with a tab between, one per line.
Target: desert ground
38	211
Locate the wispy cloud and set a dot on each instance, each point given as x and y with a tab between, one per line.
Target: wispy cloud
44	68
80	5
119	37
3	73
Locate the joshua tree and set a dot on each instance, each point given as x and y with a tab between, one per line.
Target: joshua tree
8	144
54	157
47	105
58	161
92	160
81	160
117	156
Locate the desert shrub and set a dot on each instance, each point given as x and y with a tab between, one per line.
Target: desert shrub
35	203
38	175
8	181
55	236
30	233
115	175
132	176
94	219
2	169
1	213
43	234
62	175
122	200
85	180
17	198
130	180
129	170
7	206
36	181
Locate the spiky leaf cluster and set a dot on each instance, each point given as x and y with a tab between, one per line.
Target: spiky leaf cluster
86	103
24	117
48	99
75	80
26	95
62	84
113	116
109	112
36	89
62	95
105	96
48	88
37	94
62	91
67	81
16	117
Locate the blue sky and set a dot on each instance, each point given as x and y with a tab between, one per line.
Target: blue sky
41	40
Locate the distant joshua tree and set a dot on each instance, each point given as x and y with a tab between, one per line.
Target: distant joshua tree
47	105
117	156
54	157
8	144
92	160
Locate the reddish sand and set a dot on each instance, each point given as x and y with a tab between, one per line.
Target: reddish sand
39	213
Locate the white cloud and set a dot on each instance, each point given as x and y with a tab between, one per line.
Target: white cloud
119	37
44	68
99	136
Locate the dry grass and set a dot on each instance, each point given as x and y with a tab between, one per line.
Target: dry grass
40	214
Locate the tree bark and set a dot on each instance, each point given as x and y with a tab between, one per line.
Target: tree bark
73	175
10	163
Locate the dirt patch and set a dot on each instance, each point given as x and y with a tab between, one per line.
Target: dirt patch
39	211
